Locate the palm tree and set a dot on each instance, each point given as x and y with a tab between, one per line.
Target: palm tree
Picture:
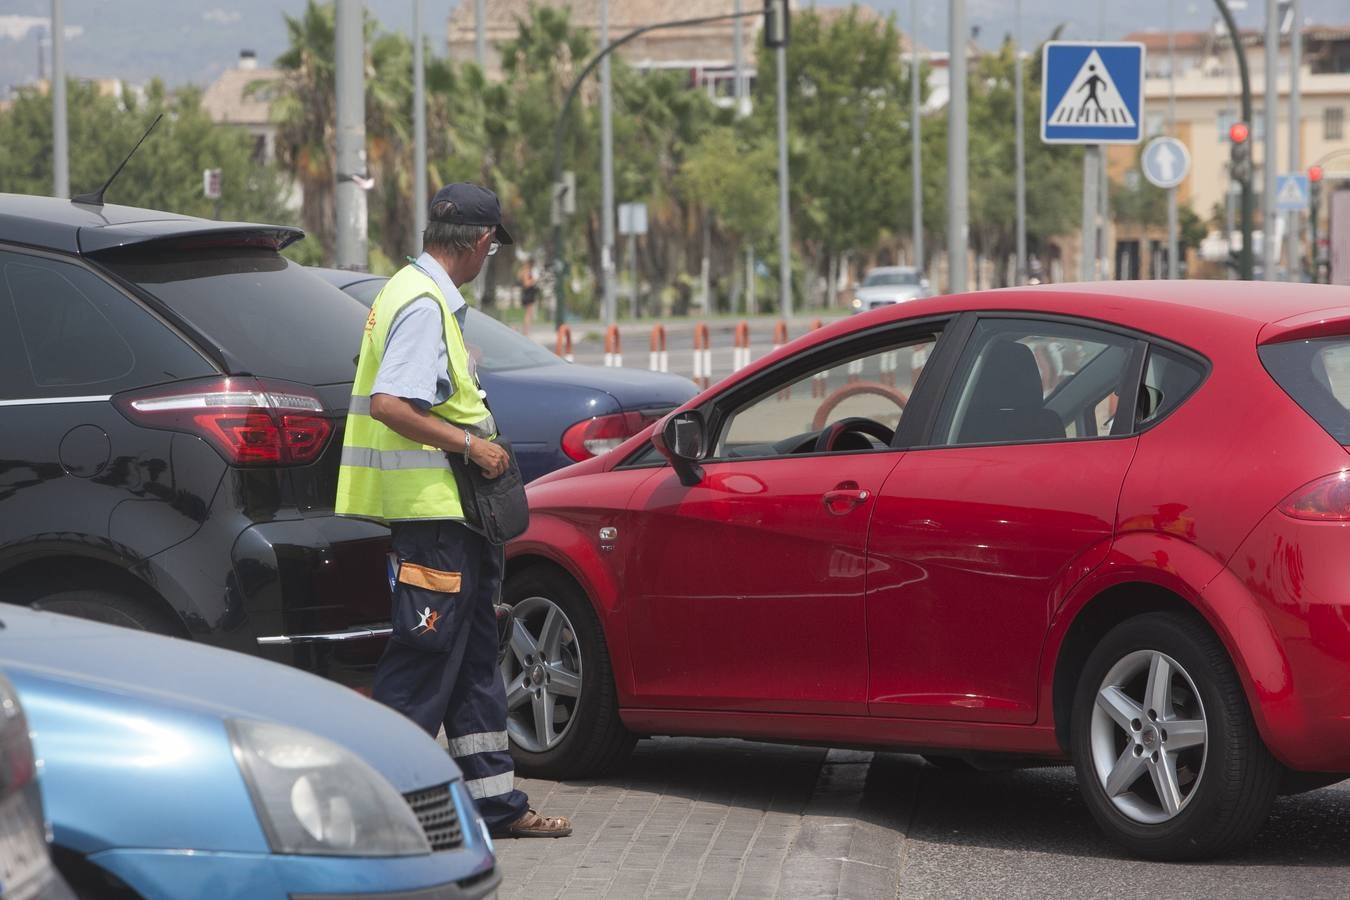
304	106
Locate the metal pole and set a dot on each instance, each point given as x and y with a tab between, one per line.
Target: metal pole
1020	275
958	200
1103	259
1087	264
1173	244
916	143
60	144
1270	145
1294	264
351	134
419	132
705	267
480	33
738	55
1245	184
632	267
750	309
611	307
784	229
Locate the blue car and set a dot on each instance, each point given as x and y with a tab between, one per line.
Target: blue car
176	770
26	870
555	413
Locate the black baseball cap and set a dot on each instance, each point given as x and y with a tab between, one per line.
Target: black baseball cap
470	204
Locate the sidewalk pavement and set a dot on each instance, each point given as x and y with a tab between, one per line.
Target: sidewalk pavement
725	819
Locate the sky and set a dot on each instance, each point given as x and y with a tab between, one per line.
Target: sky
195	41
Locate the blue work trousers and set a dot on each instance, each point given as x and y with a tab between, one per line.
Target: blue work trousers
440	667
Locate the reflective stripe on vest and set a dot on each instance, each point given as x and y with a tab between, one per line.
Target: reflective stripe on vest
383	475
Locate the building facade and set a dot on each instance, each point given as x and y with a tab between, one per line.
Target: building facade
1193	92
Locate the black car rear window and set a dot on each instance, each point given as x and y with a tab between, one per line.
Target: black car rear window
495	347
1316	374
268	315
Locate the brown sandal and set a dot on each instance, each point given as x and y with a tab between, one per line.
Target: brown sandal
534	825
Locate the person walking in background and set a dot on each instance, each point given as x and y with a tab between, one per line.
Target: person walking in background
529	293
414	401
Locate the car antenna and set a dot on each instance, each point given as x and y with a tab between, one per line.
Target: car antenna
96	198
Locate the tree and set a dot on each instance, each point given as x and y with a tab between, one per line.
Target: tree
734	177
1139	202
849	133
305	107
165	173
1053	184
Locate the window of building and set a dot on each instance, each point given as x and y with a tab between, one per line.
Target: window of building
1333	123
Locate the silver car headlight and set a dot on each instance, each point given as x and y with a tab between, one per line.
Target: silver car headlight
316	798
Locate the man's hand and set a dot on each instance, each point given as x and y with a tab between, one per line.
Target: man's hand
489	457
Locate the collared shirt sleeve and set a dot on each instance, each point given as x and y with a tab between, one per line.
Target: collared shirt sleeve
415	365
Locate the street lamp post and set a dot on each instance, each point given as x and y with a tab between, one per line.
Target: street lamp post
60	152
958	200
349	49
1244	183
611	304
1021	154
915	138
1270	145
1295	62
419	132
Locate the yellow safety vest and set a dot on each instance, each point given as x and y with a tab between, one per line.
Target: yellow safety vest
385	476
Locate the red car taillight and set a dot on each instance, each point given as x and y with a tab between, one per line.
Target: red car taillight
1324	500
250	421
598	436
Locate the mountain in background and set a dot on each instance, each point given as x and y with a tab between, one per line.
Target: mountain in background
136	40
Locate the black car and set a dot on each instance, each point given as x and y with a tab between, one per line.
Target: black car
172	398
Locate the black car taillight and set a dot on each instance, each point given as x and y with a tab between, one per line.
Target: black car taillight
250	421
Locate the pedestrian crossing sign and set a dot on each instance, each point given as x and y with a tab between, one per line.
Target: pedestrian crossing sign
1092	92
1291	192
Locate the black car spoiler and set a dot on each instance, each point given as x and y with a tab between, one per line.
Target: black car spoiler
186	234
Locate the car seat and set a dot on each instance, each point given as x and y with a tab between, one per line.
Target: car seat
1006	401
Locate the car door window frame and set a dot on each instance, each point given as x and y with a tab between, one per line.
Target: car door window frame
1132	378
793	368
43	394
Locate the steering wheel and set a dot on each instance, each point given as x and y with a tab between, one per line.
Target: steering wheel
830	437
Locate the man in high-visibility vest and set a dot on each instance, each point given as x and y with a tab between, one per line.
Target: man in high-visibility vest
415	399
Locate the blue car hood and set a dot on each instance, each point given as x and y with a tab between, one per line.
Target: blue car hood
113	664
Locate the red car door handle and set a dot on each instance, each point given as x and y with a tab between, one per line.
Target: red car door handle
839	502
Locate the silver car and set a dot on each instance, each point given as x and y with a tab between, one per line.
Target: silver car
885	285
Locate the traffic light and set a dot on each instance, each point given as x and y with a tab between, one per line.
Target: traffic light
1314	174
1240	152
775	23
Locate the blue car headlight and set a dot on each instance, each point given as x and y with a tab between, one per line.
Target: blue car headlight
314	797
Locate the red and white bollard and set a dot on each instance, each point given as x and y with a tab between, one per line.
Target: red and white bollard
740	354
702	355
889	361
659	361
562	345
780	337
613	355
917	360
821	380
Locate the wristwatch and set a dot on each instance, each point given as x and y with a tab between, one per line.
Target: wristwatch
468	442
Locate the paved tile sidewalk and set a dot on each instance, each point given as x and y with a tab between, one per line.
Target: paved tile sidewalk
695	819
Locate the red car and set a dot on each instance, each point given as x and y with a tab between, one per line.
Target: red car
1105	523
